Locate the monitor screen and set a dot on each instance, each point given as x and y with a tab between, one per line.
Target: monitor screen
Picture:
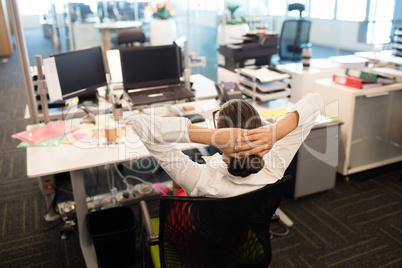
150	66
80	72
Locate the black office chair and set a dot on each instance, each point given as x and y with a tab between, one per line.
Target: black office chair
212	232
130	37
295	35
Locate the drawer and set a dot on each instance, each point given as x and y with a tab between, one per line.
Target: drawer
322	131
318	147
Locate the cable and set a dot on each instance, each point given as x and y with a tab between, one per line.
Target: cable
141	171
112	174
124	178
286	232
107	176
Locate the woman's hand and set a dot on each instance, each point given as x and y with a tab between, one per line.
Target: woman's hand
258	141
226	140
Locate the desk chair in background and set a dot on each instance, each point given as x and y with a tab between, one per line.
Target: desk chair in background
212	232
130	37
295	35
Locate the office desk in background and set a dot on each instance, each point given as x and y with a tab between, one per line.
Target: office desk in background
303	78
380	56
47	161
372	124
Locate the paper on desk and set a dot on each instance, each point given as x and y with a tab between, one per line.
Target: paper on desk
46	132
49	143
52	79
264	75
77	135
274	114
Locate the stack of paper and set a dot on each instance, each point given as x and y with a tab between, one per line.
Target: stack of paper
264	84
45	132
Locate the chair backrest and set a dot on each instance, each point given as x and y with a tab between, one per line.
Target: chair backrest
224	232
130	36
294	34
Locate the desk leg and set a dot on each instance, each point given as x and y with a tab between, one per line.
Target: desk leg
87	247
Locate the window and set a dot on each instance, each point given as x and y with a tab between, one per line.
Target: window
39	7
351	10
379	25
322	9
277	8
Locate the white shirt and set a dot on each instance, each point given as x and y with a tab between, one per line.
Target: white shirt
212	179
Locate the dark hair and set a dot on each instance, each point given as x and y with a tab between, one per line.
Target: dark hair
240	114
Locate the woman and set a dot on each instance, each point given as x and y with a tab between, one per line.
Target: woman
252	155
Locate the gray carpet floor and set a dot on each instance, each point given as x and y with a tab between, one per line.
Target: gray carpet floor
357	224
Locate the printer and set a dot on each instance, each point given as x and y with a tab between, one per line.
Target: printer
258	46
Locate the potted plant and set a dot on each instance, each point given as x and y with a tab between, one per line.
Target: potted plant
232	19
233	29
163	28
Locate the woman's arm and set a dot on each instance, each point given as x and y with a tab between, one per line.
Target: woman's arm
224	138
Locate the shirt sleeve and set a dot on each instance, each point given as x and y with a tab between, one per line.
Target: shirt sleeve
160	135
284	150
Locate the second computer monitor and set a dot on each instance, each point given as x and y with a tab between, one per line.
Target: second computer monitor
150	66
80	72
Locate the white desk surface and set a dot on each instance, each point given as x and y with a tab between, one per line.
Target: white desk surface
317	66
43	161
383	56
369	92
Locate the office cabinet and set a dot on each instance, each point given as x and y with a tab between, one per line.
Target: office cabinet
371	134
314	165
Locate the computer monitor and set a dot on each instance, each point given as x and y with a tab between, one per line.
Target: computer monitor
149	66
80	73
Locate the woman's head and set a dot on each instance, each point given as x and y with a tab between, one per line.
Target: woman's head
240	114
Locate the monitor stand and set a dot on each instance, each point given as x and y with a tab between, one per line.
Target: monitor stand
89	98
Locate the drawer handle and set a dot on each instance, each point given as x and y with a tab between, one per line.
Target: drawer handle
376	94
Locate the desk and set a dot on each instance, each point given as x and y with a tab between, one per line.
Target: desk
381	56
47	161
372	124
303	79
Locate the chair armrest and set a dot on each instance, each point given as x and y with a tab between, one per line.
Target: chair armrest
149	230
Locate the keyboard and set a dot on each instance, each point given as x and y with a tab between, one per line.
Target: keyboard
143	97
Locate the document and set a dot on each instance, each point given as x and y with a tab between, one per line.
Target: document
52	79
45	132
369	76
264	75
354	82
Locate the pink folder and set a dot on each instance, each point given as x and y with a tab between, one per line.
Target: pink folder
44	133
